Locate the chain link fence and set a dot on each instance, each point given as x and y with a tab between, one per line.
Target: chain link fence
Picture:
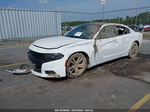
136	18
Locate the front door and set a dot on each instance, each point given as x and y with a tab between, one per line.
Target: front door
110	45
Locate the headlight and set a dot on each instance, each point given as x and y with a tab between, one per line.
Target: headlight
53	56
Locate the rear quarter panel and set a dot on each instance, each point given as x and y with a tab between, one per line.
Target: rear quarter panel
135	36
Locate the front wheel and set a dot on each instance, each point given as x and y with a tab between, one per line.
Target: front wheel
133	50
76	65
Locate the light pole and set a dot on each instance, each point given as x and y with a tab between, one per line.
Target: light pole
103	2
103	11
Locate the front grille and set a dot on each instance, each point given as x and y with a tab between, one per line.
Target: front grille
37	59
37	68
36	54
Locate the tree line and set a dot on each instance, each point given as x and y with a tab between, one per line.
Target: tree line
142	18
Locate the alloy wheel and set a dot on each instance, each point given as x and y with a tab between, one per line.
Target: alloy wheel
134	50
76	65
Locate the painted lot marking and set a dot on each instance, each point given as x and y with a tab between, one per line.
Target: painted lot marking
9	65
141	102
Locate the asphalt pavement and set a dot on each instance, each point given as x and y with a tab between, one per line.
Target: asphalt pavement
145	47
101	87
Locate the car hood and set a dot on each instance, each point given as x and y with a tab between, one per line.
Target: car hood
56	42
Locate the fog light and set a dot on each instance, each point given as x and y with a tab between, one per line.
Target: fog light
52	74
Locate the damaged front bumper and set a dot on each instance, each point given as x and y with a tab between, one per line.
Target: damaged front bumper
54	69
45	75
47	68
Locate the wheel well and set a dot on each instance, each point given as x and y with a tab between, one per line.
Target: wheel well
137	42
86	56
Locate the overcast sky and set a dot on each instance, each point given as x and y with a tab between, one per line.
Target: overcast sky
73	5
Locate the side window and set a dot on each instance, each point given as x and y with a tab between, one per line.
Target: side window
122	30
127	31
108	32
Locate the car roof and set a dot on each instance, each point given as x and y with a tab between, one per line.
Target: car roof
104	23
100	24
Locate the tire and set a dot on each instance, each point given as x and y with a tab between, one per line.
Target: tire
76	65
133	50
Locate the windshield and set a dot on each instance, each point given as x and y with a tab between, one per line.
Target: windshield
85	31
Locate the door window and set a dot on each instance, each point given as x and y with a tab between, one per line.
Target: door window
122	30
108	31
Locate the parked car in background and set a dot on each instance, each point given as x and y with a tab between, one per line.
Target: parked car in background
141	27
145	26
146	29
83	47
66	28
135	27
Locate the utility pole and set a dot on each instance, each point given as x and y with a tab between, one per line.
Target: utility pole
103	11
136	19
103	2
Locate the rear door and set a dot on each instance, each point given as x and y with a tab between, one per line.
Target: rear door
124	34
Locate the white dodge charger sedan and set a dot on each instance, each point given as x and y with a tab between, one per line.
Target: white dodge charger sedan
84	46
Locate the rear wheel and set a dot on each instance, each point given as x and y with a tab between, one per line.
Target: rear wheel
76	65
133	50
